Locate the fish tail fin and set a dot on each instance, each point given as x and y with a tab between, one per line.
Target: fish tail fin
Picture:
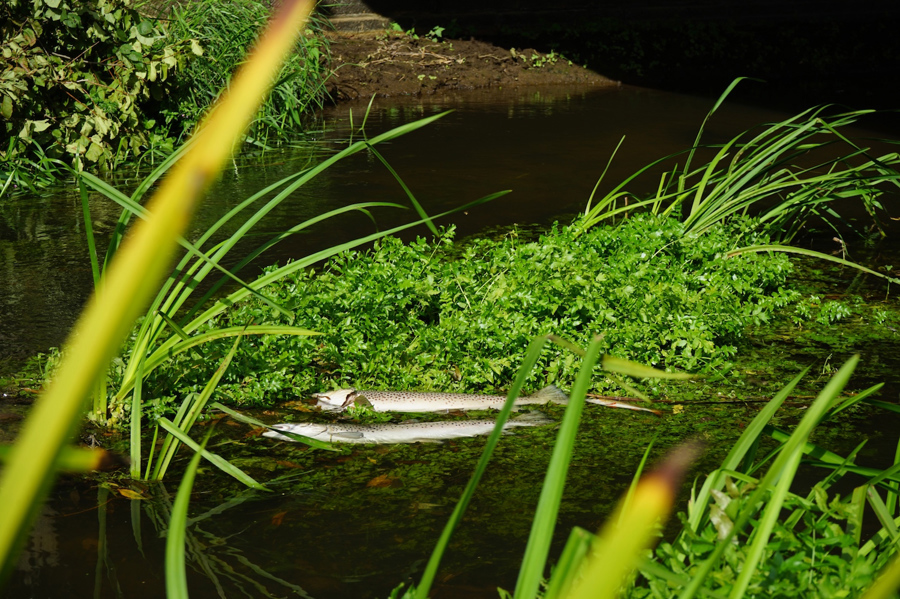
551	394
621	404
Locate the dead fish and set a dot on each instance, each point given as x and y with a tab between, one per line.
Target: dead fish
411	432
416	401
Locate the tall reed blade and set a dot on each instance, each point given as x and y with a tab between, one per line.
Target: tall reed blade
138	268
544	522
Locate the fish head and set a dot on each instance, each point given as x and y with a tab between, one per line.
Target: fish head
335	401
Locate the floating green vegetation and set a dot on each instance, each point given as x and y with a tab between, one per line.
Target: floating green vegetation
432	316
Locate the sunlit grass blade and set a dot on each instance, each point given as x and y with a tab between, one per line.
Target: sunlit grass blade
132	207
186	419
588	209
783	464
89	233
176	574
629	368
214	459
735	457
763	529
135	441
281	272
887	583
721	99
181	345
805	252
361	207
139	267
569	564
616	550
77	459
428	576
626	501
536	551
881	512
422	214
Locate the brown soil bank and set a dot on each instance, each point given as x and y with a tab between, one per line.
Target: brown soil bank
394	63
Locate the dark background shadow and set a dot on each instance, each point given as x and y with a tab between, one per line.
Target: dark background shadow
807	52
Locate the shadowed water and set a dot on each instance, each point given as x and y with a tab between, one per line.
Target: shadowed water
549	146
356	523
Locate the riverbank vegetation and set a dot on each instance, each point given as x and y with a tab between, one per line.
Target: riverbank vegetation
657	289
98	83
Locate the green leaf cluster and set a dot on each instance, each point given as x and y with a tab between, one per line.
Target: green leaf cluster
814	552
77	76
95	83
438	316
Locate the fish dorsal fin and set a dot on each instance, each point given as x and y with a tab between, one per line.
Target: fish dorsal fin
351	399
551	394
362	401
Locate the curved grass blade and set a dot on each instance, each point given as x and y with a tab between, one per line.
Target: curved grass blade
538	547
214	459
630	531
185	422
790	452
159	357
176	573
629	368
747	441
304	262
569	563
259	424
428	576
804	252
422	214
612	156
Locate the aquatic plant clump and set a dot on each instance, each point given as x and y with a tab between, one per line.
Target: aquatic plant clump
431	316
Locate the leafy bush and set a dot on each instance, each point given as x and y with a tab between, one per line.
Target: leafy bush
93	83
434	316
77	76
814	552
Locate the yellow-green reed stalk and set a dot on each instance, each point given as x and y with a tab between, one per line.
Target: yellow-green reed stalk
133	277
632	529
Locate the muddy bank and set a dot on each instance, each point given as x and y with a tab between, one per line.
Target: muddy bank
394	63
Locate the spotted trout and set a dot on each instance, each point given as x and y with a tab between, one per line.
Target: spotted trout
410	432
416	401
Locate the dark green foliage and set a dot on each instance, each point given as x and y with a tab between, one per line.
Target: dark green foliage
434	316
228	31
94	83
816	552
77	76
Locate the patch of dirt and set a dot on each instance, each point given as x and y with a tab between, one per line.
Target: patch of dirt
393	63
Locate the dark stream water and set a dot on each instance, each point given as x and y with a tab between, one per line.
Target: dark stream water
549	146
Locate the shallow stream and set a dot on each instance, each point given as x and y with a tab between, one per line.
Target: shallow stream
357	523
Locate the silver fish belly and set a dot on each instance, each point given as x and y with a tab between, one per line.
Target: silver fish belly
415	401
401	433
